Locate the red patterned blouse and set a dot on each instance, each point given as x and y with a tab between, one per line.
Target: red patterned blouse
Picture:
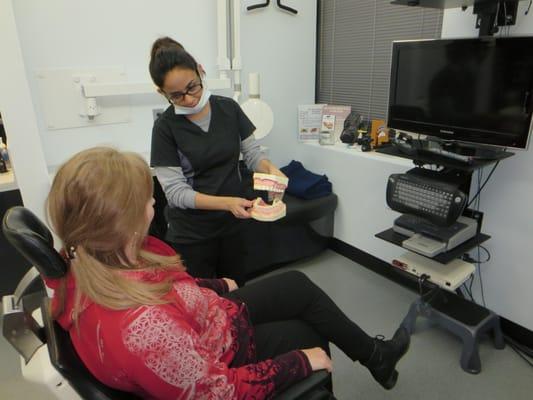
198	346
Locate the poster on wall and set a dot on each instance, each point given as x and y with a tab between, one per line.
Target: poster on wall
340	113
309	122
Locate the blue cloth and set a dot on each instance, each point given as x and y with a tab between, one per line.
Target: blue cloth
305	184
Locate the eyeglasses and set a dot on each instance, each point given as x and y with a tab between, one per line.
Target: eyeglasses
192	90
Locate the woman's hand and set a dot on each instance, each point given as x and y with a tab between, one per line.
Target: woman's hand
232	285
318	359
273	170
238	206
266	167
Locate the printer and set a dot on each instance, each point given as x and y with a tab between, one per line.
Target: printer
430	240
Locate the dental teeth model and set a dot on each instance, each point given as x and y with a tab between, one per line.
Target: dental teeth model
275	185
271	183
262	211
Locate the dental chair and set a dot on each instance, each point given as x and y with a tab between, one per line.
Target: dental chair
47	354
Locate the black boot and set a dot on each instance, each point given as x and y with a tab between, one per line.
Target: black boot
386	354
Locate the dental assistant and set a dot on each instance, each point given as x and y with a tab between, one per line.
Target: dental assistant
196	144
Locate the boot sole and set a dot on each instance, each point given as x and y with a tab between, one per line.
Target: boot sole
391	382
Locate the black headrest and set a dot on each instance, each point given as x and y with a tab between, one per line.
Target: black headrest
34	241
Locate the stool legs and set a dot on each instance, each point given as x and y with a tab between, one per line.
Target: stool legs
469	334
470	361
410	319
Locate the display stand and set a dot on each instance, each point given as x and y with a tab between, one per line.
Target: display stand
463	318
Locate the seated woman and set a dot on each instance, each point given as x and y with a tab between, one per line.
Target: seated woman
141	324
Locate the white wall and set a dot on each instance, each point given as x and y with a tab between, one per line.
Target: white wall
19	117
506	202
360	183
282	47
99	33
77	34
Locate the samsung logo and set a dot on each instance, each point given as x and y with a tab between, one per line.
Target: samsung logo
448	132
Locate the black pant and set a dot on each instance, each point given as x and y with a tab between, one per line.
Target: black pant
220	257
290	312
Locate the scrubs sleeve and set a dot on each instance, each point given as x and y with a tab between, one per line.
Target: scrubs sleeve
164	149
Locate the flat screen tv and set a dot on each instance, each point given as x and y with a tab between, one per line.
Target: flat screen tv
470	90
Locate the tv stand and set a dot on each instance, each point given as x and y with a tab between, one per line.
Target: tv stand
420	155
451	311
466	153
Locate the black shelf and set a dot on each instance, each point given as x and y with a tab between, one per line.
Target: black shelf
444	258
442	4
442	160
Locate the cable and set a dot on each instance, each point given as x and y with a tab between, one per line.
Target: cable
469	259
478	206
523	348
421	280
470	289
519	352
505	16
528	7
484	183
495	23
488	254
467	289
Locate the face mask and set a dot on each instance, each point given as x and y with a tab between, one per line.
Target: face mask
180	110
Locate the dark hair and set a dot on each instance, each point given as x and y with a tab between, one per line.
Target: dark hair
167	54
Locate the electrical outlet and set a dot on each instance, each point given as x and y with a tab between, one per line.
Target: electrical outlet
156	112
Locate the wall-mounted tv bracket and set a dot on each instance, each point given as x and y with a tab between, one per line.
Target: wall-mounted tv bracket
267	2
493	15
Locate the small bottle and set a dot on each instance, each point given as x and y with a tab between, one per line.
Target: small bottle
4	154
3	168
327	135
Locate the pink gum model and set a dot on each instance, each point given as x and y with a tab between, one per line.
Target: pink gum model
262	211
271	183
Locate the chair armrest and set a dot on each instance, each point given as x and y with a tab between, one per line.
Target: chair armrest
27	283
305	389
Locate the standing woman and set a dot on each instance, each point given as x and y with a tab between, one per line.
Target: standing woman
196	145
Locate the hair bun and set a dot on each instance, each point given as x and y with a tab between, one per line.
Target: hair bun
164	43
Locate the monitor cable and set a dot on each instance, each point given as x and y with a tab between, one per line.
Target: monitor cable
524	352
478	206
480	188
431	293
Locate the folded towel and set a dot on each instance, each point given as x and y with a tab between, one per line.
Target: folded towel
304	183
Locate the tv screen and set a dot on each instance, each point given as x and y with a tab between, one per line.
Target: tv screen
473	90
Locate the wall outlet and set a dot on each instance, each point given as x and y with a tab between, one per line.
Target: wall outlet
156	112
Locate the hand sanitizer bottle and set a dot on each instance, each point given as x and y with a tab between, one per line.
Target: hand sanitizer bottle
4	154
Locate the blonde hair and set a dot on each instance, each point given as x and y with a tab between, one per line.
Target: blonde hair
97	206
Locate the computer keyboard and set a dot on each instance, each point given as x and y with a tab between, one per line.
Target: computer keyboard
439	202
